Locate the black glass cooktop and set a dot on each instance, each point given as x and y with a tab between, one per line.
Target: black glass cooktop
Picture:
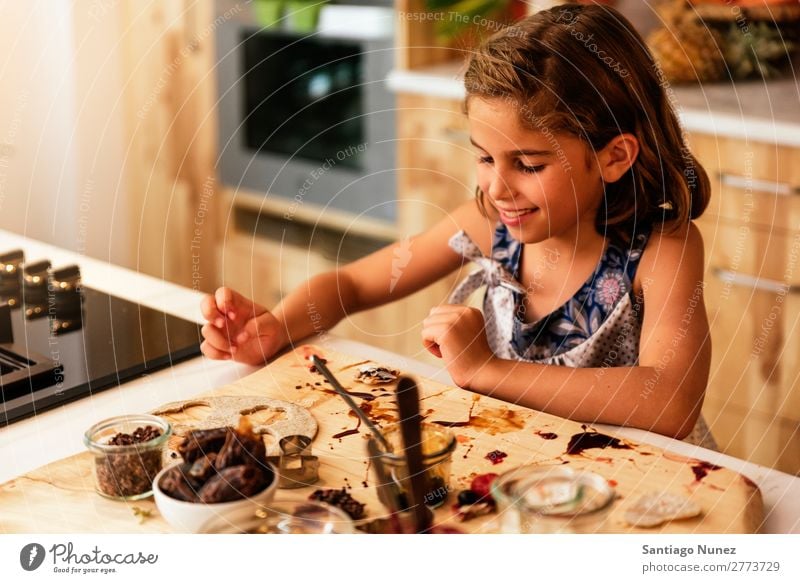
114	341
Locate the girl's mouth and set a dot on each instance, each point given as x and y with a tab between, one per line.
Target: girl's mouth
513	218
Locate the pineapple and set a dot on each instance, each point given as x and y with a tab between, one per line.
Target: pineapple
688	51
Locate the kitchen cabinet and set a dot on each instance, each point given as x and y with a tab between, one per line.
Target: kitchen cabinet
437	175
751	233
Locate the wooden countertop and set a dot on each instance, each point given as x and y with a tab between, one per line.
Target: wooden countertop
60	497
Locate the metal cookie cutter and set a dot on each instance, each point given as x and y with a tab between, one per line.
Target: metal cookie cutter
297	467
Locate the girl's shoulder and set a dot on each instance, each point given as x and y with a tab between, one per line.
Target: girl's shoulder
672	238
669	249
481	228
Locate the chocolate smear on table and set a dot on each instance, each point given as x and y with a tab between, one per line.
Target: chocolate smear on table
378	412
452	423
346	432
307	351
313	368
365	396
491	421
459	423
590	439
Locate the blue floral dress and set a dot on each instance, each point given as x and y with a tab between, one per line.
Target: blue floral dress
598	327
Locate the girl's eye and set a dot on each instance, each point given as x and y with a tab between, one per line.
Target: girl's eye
520	166
530	169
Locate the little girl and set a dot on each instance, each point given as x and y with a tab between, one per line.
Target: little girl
581	227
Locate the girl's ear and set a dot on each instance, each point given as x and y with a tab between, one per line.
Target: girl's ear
617	156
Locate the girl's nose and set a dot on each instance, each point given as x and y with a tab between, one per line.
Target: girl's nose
499	188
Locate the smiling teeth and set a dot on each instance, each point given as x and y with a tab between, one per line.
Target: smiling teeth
517	213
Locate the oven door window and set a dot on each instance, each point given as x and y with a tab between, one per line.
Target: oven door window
303	97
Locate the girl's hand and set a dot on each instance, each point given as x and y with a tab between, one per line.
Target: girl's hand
239	329
457	335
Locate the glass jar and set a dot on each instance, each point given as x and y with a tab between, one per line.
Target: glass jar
126	472
282	517
438	444
551	499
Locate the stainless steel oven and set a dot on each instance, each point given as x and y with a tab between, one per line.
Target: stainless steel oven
307	117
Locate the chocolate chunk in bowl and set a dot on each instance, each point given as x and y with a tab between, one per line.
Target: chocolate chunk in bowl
225	470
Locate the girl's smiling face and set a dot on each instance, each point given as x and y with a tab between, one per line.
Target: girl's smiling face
541	184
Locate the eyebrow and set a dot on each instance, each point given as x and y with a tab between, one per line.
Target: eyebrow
516	152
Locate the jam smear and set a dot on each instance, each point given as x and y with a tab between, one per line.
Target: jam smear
496	456
701	470
580	442
546	434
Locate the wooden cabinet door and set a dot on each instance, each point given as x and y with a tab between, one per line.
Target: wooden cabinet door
436	161
437	174
751	233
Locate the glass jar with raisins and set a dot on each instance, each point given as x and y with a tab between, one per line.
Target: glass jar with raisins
128	453
437	444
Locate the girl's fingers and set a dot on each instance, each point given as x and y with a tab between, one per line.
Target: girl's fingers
226	302
235	307
444	321
432	336
211	352
217	338
433	348
208	307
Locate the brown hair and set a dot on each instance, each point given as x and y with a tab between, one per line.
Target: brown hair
583	70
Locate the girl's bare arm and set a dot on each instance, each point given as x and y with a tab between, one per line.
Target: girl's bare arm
384	276
663	394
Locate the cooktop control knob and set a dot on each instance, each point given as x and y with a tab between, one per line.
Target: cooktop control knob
34	288
6	329
65	284
11	276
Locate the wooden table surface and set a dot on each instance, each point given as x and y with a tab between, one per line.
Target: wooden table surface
60	496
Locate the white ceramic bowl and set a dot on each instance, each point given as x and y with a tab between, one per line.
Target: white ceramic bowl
190	516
